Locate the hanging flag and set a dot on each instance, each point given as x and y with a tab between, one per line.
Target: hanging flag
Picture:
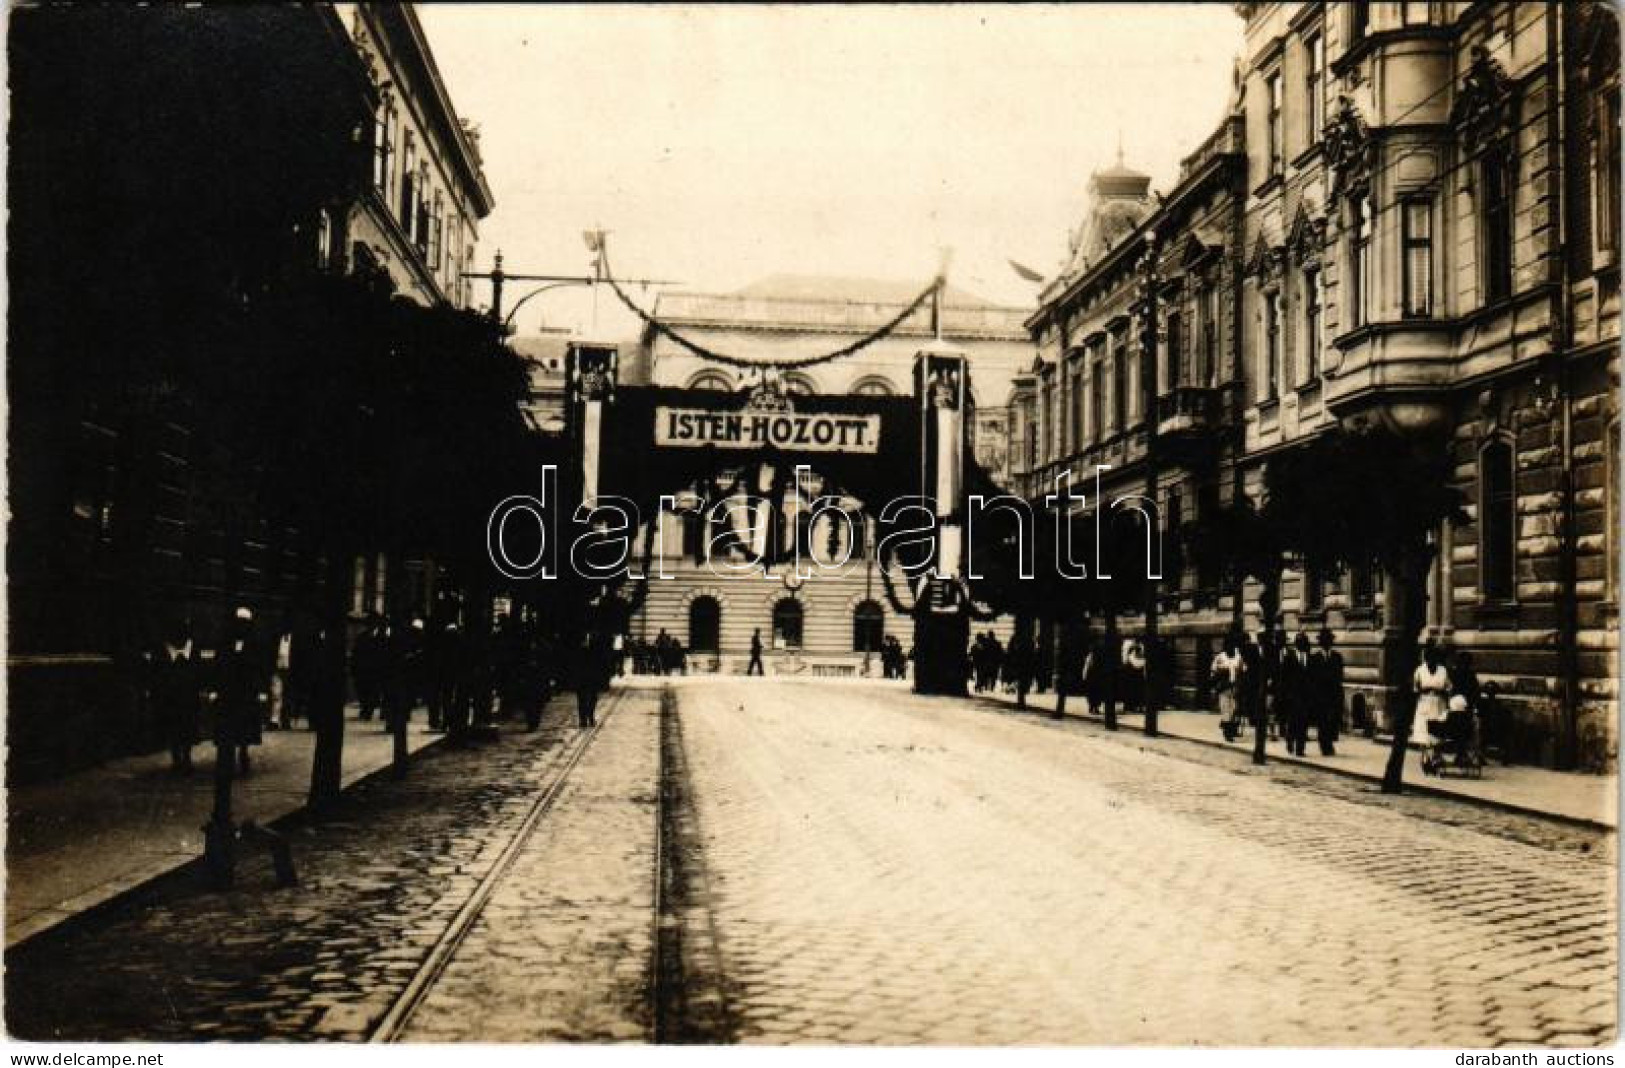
1026	272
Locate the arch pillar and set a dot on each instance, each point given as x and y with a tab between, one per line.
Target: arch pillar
941	619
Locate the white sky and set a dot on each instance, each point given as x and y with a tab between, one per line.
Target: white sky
722	144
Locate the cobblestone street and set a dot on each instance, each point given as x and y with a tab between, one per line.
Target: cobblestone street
887	868
772	861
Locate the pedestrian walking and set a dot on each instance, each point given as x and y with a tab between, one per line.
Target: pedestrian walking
241	693
1225	673
173	691
1464	679
1293	695
367	663
1133	675
1252	686
755	665
1326	684
593	667
278	715
1494	723
1018	665
1431	685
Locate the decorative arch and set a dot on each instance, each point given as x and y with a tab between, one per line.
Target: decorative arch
868	625
712	379
704	614
789	619
874	386
798	382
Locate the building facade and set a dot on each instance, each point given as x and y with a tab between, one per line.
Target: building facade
827	624
270	146
1423	235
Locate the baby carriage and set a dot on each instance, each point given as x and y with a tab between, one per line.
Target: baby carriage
1455	747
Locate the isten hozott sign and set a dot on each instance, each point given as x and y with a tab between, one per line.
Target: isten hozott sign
803	431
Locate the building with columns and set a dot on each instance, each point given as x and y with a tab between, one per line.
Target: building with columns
1419	229
825	625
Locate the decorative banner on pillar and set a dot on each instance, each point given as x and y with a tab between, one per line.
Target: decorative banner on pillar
790	431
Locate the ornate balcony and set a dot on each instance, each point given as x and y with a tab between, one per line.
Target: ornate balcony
1188	409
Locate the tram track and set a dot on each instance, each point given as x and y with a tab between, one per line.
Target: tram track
393	1024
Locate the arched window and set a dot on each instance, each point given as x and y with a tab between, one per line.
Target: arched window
711	380
787	624
868	627
1497	520
874	386
704	624
798	383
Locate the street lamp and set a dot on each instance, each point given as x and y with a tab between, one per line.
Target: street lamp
499	278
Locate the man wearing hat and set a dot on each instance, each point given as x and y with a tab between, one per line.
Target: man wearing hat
1326	688
242	688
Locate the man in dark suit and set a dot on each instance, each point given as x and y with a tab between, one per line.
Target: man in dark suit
172	687
1326	689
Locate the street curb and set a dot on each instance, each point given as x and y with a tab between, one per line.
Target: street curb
1349	773
189	868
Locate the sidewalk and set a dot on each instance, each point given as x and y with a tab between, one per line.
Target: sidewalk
1567	795
78	841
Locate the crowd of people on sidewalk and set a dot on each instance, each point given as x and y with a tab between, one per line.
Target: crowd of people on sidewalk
255	680
1289	688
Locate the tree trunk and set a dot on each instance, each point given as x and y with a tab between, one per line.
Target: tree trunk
1064	657
1269	600
1405	603
1111	655
327	696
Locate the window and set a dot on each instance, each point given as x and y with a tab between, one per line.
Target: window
874	387
1207	305
868	627
1176	346
787	624
1362	584
409	200
1360	264
859	532
711	380
1416	14
798	384
1359	19
1208	566
704	625
324	239
1097	400
1417	259
1605	183
1495	224
421	233
1077	409
1173	518
1272	344
437	217
383	146
1273	84
1497	520
1119	385
1311	323
1032	444
1314	85
1314	593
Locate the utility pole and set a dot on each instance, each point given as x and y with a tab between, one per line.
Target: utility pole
1154	660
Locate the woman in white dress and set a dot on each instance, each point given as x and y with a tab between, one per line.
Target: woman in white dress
1432	686
1226	672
